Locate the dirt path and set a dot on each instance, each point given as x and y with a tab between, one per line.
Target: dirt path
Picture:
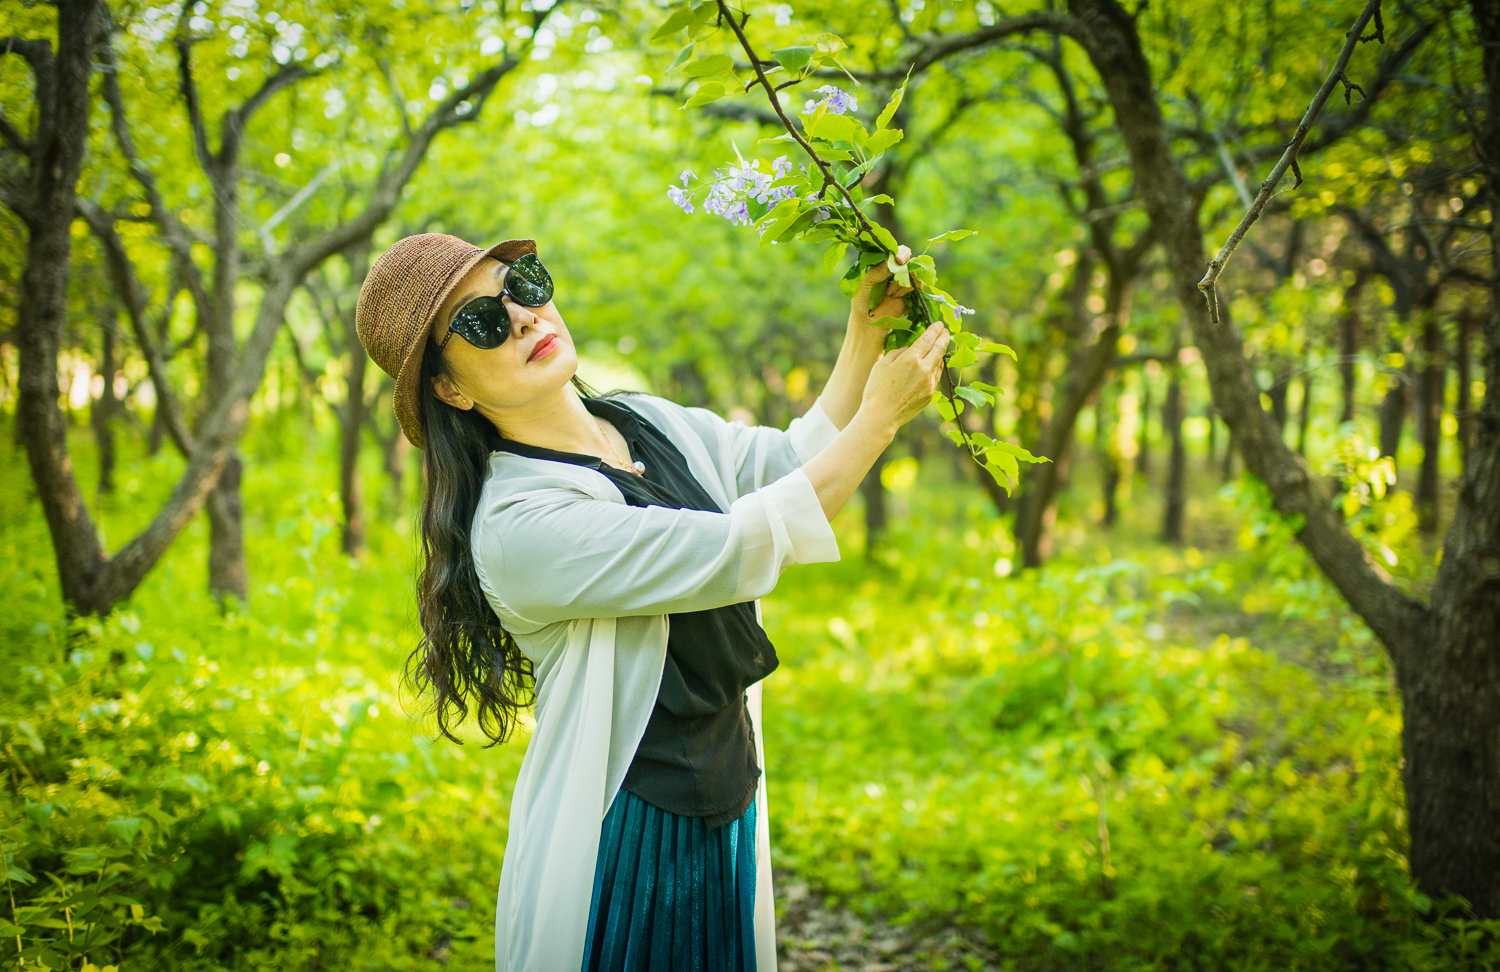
813	937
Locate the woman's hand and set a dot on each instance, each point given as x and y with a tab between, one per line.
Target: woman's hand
902	382
892	306
899	387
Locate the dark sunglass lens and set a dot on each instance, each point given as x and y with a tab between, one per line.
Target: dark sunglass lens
528	282
483	322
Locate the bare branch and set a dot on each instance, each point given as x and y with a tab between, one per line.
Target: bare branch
13	136
1288	160
177	237
929	54
132	294
189	88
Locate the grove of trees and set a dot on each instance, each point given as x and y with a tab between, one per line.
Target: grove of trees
193	193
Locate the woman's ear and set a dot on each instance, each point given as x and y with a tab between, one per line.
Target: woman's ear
444	390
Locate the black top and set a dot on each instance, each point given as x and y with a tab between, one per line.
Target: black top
697	757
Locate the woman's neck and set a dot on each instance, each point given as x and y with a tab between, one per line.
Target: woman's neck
558	421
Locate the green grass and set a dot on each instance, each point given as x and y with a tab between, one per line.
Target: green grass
944	745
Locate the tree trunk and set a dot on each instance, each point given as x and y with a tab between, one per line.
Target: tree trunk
873	492
1226	468
61	84
1277	395
1304	414
1109	456
1349	334
1143	446
1445	655
102	412
227	576
1041	482
1463	365
1430	402
1176	495
1392	416
352	415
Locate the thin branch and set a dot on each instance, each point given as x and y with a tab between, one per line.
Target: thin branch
823	167
13	136
929	54
132	294
1288	160
176	234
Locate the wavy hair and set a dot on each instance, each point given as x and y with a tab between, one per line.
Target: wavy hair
465	661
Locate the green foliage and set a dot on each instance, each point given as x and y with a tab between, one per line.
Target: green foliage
191	791
1064	762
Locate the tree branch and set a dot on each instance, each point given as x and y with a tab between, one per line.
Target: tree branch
1288	160
929	54
176	234
128	286
13	136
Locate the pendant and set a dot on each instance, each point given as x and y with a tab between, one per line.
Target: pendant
640	467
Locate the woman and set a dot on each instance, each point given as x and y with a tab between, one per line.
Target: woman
606	555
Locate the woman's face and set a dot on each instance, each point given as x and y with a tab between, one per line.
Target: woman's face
528	368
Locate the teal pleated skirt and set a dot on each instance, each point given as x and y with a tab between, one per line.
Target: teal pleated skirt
671	895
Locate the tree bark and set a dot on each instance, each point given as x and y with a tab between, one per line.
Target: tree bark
1143	444
1176	493
1349	336
1430	402
46	203
1304	413
1463	365
102	412
873	492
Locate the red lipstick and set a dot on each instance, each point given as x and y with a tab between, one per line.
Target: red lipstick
543	347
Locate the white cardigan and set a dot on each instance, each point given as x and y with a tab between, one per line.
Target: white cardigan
585	583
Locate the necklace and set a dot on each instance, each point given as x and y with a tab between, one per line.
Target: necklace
637	467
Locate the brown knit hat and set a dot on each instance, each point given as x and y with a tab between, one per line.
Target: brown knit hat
399	300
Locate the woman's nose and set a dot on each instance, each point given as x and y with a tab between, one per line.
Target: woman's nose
522	319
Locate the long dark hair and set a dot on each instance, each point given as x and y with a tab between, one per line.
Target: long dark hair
465	661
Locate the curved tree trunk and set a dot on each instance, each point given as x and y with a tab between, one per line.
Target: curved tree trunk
1445	655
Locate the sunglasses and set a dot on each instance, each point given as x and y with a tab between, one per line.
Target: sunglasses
484	322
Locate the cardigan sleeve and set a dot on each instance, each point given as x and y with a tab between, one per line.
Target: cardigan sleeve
552	553
750	456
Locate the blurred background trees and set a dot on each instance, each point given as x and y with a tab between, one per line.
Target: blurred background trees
193	193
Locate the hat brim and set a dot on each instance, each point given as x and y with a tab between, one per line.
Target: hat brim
407	400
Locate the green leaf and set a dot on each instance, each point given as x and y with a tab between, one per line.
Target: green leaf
707	91
894	323
999	462
994	348
877	292
124	828
882	140
945	408
957	234
707	67
889	111
832	256
881	197
833	127
790	230
973	396
682	55
884	236
962	358
1016	452
682	17
794	59
995	390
